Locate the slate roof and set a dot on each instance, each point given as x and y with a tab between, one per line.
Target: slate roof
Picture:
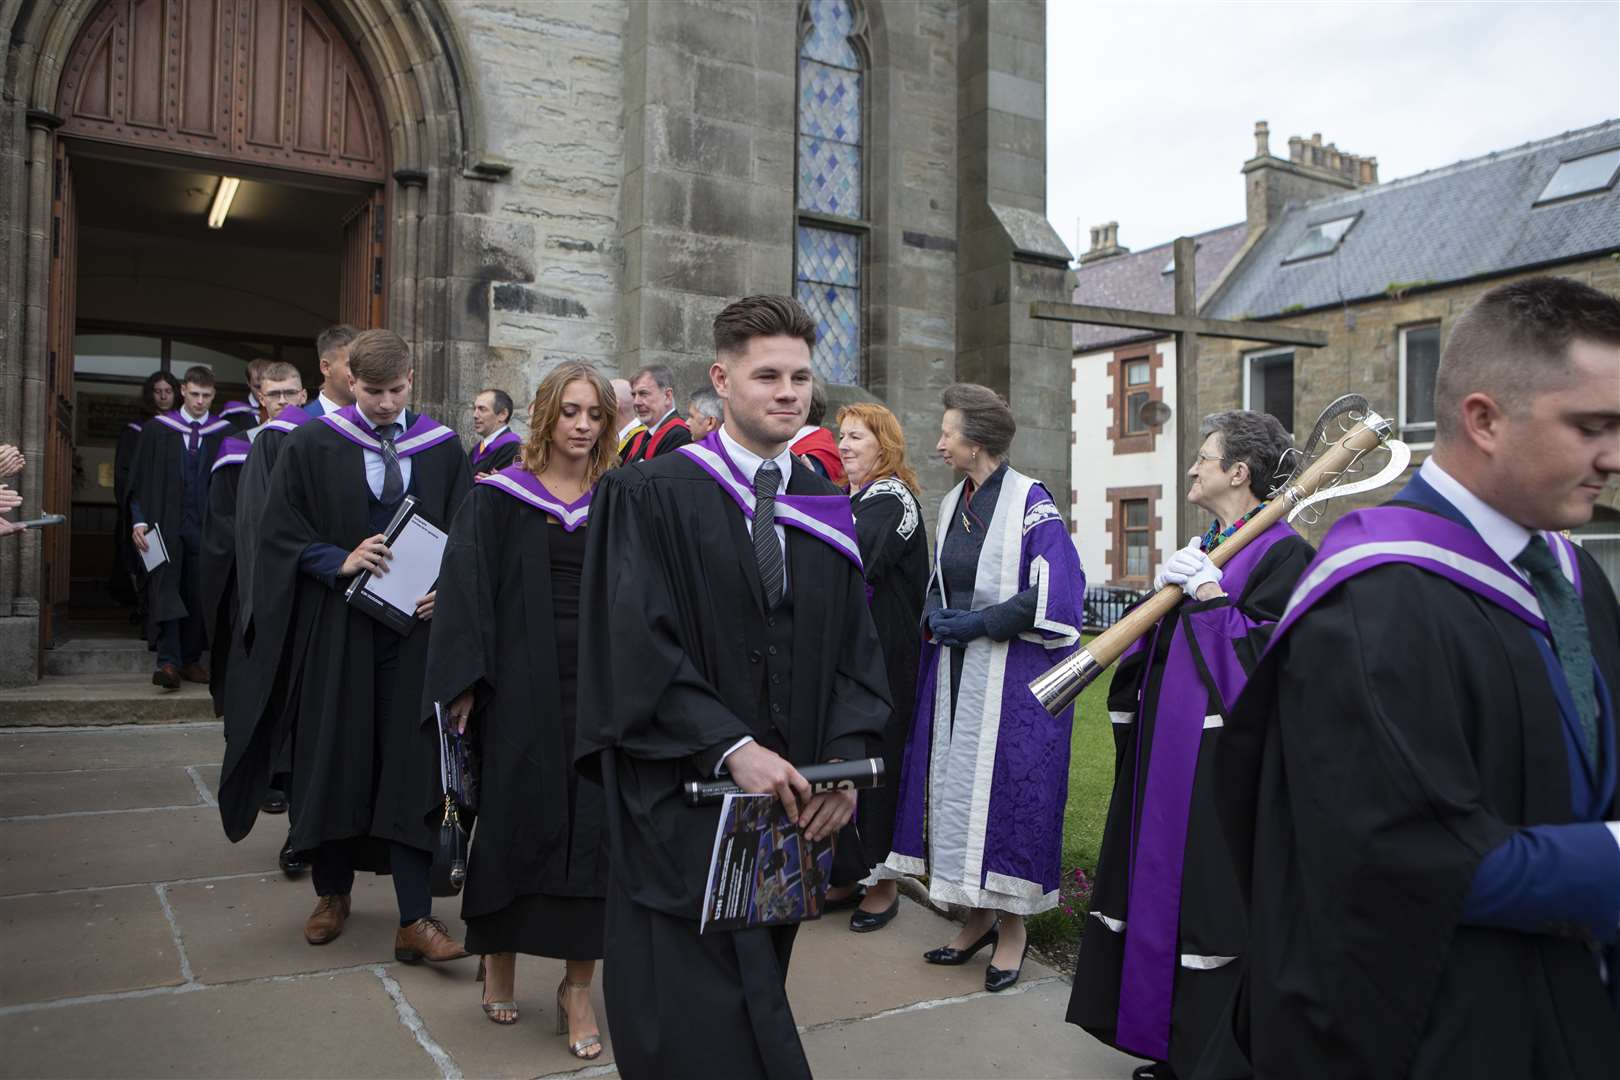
1474	219
1137	281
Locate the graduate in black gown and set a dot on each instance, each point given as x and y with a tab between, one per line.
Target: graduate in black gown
169	492
1426	757
160	393
365	768
504	659
723	629
217	563
894	553
1163	947
498	445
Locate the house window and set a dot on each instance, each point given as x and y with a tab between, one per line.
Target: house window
1420	359
1268	384
1137	379
1582	176
1138	537
831	237
1320	239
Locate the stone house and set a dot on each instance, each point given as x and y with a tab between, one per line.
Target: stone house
1382	268
508	184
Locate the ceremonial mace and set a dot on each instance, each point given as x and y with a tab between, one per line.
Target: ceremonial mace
1318	473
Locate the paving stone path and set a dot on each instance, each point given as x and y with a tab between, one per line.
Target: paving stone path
139	942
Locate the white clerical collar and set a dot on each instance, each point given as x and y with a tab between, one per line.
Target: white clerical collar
327	404
492	436
1501	533
748	462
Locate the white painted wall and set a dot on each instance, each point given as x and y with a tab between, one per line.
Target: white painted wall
1096	467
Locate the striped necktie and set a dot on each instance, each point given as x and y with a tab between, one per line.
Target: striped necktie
767	548
1567	620
393	480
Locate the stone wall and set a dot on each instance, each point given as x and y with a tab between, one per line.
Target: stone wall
1363	359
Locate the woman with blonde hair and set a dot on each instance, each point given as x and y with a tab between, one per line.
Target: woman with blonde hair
503	658
894	555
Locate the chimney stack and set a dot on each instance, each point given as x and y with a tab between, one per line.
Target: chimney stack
1313	170
1104	243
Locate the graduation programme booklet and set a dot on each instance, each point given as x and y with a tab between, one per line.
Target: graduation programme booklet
417	546
763	872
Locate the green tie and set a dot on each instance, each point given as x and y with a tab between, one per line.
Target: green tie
1567	621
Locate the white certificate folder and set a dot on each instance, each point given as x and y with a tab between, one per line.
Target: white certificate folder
418	546
156	553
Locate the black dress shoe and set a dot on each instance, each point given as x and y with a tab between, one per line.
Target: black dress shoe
275	802
844	903
292	862
952	957
864	922
997	979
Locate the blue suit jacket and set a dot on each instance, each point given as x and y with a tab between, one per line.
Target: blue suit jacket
1545	874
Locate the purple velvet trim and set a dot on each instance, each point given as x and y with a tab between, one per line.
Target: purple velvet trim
232	408
505	438
423	434
288	419
1159	851
828	518
209	424
526	487
1366	538
232	451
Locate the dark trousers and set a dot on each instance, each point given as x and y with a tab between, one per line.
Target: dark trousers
332	873
182	641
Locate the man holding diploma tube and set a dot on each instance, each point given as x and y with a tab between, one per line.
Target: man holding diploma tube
723	630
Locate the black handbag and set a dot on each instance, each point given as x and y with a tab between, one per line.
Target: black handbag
449	871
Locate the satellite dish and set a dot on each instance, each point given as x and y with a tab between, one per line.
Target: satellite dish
1153	413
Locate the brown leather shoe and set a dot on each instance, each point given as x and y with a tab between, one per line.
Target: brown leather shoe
167	677
194	672
326	922
426	939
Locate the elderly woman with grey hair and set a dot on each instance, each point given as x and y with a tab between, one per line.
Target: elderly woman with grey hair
986	768
1162	951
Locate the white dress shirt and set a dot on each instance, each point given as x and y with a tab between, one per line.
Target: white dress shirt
1506	537
376	470
748	464
327	404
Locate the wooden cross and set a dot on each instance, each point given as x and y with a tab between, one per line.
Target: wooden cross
1186	327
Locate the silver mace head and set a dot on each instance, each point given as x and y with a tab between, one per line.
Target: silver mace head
1057	689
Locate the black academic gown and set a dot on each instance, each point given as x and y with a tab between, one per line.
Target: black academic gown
218	584
1212	920
1399	732
355	774
494	461
541	826
674	654
158	487
127	566
894	552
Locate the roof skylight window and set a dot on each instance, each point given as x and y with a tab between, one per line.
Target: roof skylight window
1582	176
1322	238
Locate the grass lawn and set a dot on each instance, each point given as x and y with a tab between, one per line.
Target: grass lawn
1091	779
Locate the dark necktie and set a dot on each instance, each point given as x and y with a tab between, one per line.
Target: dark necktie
195	437
767	548
393	480
1567	619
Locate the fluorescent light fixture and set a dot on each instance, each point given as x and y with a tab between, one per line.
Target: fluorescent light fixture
222	201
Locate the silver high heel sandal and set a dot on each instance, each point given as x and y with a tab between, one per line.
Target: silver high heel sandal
590	1047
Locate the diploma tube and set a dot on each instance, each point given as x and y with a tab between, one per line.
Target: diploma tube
833	776
1057	689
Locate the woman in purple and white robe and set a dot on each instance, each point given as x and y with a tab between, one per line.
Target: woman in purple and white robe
1162	948
987	768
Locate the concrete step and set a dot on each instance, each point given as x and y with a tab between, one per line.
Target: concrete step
101	700
99	656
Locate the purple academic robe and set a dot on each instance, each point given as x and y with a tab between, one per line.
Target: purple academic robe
992	780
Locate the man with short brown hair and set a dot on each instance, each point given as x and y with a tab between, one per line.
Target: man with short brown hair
332	350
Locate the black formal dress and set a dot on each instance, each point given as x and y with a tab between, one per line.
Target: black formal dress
506	625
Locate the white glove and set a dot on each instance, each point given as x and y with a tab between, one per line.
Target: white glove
1189	568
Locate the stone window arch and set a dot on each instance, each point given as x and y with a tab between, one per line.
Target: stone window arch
833	234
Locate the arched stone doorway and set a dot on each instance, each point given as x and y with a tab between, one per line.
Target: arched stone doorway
336	94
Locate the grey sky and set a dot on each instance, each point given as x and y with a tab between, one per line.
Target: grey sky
1151	106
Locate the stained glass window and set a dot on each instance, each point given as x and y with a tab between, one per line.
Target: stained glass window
828	260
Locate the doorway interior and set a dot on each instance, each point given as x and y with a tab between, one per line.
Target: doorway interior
156	288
